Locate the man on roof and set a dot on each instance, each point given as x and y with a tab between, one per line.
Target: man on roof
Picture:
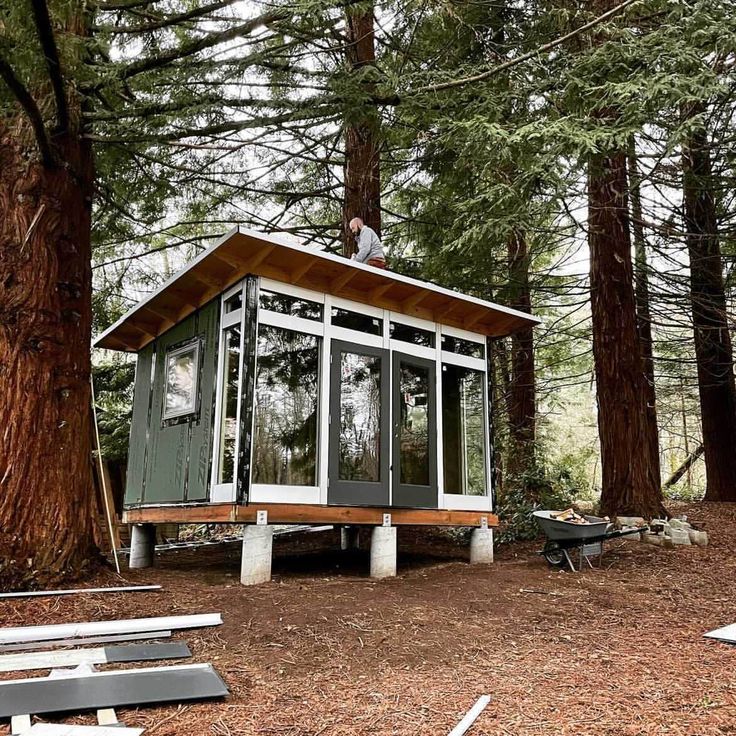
370	250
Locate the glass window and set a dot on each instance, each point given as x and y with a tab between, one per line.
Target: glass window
229	403
182	365
287	403
360	417
357	321
414	335
285	304
463	430
414	424
234	302
463	347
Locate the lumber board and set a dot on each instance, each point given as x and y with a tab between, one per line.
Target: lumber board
20	634
75	591
96	690
280	513
726	633
68	729
101	655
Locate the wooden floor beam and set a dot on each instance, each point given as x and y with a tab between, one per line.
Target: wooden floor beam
281	513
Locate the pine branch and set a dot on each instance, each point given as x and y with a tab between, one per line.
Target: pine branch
51	54
524	57
31	109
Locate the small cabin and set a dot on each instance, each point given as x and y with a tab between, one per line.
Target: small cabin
279	384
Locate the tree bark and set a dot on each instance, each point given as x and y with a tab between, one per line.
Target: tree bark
629	468
362	173
643	312
46	487
713	351
522	386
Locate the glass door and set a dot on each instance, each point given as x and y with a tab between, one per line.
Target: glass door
359	425
414	432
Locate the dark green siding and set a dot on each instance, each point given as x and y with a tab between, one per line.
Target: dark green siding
176	459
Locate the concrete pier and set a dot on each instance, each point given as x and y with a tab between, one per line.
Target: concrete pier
142	546
481	546
349	537
255	565
383	552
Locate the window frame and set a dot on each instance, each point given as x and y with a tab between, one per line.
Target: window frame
171	418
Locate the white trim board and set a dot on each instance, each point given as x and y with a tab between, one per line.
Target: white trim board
74	591
727	634
146	636
132	625
67	729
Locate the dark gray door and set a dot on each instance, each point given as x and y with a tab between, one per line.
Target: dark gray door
359	425
414	426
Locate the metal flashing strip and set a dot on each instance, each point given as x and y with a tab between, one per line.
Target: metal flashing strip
146	636
65	729
102	655
727	634
110	689
74	591
133	625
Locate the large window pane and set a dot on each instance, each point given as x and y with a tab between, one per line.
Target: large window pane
463	430
356	321
414	335
287	401
462	347
286	304
182	365
229	403
360	417
414	424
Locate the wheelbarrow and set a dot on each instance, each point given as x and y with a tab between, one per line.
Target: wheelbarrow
587	539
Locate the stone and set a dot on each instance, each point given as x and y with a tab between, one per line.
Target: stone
698	537
679	536
631	521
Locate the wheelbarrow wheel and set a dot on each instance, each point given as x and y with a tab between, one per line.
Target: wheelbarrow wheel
554	555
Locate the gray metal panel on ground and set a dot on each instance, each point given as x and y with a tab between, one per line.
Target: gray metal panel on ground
727	633
79	591
68	729
201	432
142	652
146	635
139	427
168	445
110	690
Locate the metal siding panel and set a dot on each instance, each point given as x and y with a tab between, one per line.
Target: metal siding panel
139	427
110	690
143	652
491	396
168	445
201	432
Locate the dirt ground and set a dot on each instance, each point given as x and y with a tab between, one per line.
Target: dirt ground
324	650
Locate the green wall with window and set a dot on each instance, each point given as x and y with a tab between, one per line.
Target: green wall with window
171	434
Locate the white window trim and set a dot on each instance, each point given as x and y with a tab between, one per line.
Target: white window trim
360	338
272	493
464	334
287	322
418	322
409	348
477	364
279	287
222	493
461	502
352	306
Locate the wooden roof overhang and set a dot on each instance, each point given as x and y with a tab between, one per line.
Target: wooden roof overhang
243	252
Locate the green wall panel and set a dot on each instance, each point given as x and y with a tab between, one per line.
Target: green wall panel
139	427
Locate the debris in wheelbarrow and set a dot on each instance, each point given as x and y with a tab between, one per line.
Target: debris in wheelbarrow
587	537
570	516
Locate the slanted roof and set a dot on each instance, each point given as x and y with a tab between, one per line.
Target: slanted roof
243	252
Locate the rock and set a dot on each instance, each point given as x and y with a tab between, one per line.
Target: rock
679	524
631	521
697	537
652	538
679	536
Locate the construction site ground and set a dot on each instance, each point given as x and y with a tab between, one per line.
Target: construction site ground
323	650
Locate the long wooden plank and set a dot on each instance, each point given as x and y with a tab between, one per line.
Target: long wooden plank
145	636
100	628
75	591
67	729
110	689
279	513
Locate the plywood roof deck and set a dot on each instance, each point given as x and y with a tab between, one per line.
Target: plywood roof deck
243	252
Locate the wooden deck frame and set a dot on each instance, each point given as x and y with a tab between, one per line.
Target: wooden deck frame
282	513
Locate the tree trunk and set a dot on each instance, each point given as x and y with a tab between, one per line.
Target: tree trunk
713	350
643	313
522	388
46	488
629	468
362	157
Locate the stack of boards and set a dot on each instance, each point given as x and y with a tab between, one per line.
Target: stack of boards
84	688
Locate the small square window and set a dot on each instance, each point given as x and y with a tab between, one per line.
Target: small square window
182	371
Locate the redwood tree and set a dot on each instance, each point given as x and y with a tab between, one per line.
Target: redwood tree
713	351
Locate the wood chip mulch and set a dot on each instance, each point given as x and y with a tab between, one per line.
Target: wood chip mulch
323	650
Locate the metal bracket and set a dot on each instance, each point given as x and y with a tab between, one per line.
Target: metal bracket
484	522
262	518
387	520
